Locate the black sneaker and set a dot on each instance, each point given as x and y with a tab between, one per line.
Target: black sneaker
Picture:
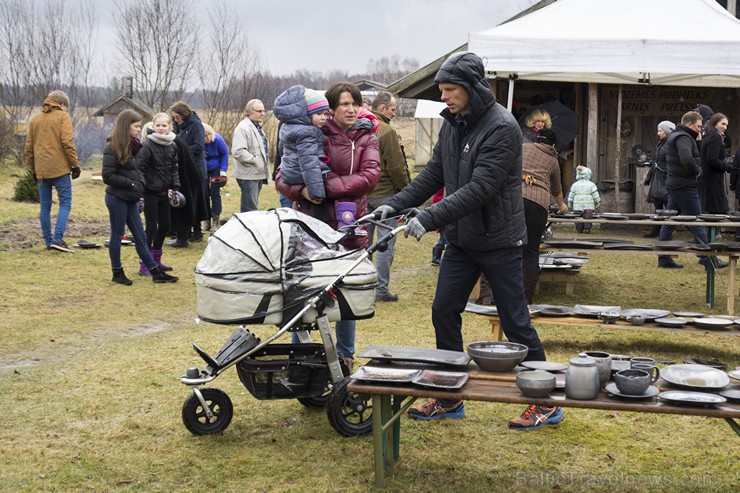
61	246
672	265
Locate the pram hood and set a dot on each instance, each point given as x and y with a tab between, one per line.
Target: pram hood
262	263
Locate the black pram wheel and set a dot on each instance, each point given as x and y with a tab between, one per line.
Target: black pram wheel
196	420
349	413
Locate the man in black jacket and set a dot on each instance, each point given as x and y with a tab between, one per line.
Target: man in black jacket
683	164
478	159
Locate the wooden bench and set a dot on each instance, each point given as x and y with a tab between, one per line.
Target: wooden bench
497	332
390	403
564	277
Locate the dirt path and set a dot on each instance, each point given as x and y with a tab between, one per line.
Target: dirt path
26	233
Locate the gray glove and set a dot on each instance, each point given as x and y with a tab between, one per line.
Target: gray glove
415	229
384	211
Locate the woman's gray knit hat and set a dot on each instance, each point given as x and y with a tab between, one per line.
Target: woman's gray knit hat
667	126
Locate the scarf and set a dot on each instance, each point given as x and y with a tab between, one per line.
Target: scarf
135	146
163	140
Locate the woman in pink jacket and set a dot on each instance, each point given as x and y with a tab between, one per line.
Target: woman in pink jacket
354	161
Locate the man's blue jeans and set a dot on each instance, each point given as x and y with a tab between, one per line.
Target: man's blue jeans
383	260
124	214
63	185
250	194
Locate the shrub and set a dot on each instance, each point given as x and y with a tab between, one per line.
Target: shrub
26	189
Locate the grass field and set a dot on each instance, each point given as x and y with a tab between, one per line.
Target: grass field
89	374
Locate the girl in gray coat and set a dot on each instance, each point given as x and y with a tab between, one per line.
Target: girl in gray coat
302	113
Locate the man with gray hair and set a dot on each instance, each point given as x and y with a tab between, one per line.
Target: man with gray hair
51	157
394	175
250	150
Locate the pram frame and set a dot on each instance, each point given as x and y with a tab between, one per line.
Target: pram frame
322	299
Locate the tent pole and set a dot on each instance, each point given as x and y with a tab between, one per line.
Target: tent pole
510	95
618	154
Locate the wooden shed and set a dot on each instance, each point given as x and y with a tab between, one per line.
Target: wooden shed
126	101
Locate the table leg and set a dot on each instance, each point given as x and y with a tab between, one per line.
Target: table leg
496	330
731	285
378	438
734	425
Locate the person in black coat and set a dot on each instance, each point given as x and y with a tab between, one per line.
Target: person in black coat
196	206
714	167
478	159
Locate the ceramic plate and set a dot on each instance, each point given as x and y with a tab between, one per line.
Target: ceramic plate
717	247
572	243
684	218
626	246
713	364
734	374
377	374
87	245
647	314
733	247
695	376
569	215
713	217
731	395
669	244
652	391
712	322
637	216
700	247
593	311
544	365
481	309
123	242
416	354
695	398
553	310
671	322
658	218
556	266
442	379
612	216
667	212
689	314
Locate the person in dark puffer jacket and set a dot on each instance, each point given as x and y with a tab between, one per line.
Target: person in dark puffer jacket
158	161
478	159
125	187
302	113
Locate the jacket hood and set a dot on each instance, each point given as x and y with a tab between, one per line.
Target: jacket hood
583	173
51	105
192	119
705	111
466	69
290	106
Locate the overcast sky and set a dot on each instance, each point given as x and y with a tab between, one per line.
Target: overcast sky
322	35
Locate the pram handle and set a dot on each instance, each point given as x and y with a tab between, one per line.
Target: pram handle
409	213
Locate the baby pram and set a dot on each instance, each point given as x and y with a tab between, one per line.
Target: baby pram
281	267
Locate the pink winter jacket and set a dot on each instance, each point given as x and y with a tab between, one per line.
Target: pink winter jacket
354	161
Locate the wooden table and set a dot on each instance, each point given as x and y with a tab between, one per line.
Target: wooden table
733	256
497	332
390	401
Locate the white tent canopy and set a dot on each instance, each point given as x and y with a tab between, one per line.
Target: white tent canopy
659	42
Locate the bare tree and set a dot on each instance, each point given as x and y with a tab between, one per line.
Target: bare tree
228	67
157	40
388	69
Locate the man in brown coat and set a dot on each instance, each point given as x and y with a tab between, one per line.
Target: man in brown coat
394	175
51	157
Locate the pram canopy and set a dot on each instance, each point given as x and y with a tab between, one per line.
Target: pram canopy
262	266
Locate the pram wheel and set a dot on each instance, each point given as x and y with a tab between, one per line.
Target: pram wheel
196	420
349	413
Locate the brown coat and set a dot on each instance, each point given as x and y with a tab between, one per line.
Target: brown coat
50	145
394	174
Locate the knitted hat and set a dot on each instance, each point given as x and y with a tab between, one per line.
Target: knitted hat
315	102
667	126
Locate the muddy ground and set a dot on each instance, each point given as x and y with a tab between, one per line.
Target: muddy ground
26	233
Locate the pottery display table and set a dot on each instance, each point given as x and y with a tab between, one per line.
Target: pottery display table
564	277
497	332
390	401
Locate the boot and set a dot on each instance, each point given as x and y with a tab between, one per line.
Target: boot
347	364
437	251
486	296
120	277
205	225
158	276
143	271
530	283
181	239
215	221
157	255
197	234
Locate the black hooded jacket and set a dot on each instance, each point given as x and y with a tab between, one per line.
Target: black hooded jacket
478	159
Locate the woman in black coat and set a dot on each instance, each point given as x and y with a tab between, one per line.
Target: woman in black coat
714	167
196	206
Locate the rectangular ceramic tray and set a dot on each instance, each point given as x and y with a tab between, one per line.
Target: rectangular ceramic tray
376	374
416	354
442	379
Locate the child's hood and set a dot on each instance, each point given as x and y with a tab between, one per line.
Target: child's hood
583	173
290	106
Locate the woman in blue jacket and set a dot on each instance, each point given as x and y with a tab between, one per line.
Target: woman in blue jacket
217	162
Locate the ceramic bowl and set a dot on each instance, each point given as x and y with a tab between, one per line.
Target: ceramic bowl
535	383
609	317
497	356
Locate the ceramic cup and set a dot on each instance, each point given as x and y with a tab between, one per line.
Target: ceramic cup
652	370
632	382
603	364
642	361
